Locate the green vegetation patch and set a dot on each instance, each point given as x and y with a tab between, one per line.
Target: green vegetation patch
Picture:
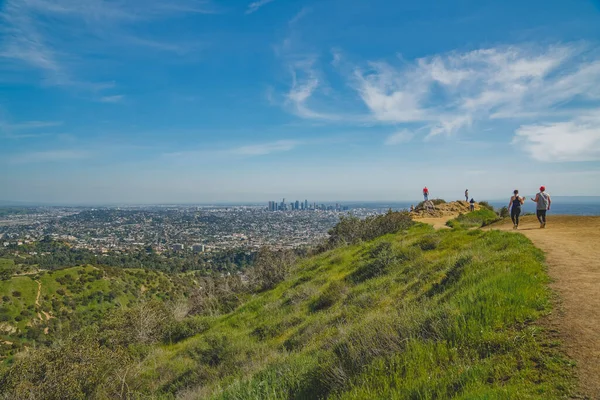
474	219
420	314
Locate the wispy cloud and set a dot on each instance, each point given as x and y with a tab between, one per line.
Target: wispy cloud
50	35
256	5
403	136
301	14
451	91
112	99
24	130
575	140
305	81
48	156
266	148
250	150
446	94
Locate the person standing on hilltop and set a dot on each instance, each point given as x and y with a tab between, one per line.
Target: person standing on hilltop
467	195
514	206
543	201
426	193
472	204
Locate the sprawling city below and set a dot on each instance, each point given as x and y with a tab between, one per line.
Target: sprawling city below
176	228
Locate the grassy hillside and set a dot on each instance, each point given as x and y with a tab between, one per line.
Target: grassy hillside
417	315
36	307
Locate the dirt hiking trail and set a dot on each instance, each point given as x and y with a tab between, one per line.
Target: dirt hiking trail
437	222
572	247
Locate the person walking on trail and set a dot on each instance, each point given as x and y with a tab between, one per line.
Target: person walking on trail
467	195
514	206
543	201
472	204
426	193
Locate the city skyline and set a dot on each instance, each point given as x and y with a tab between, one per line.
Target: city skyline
212	101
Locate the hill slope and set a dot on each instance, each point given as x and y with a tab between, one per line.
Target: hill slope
38	305
421	314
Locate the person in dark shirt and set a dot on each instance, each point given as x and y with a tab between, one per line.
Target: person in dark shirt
514	207
472	203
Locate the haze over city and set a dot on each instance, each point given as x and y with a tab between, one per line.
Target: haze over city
205	101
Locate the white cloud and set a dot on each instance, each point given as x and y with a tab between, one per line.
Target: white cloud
112	99
22	130
50	35
30	125
253	7
446	94
266	148
305	82
48	156
403	136
576	140
251	150
451	91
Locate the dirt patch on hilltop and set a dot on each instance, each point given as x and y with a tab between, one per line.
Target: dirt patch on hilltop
429	209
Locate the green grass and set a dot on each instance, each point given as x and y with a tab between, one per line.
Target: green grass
424	315
474	219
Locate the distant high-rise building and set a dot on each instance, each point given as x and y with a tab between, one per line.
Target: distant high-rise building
306	204
297	205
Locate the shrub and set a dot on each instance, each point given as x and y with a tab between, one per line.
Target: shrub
428	242
352	230
475	219
503	213
486	205
176	331
270	268
16	293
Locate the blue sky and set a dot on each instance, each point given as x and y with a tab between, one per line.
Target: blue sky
131	101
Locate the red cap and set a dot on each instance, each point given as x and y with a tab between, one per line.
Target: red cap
542	188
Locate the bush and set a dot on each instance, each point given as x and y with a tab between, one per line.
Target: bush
179	330
352	230
475	219
486	205
216	295
16	293
504	213
428	242
270	268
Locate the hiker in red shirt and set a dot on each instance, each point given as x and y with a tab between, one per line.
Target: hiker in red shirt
426	193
